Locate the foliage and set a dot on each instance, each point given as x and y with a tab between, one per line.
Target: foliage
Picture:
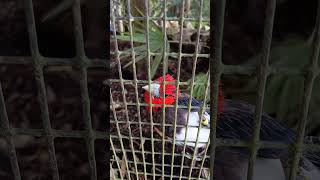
156	45
199	88
284	93
195	11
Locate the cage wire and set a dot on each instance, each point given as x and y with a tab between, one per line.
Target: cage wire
140	147
39	62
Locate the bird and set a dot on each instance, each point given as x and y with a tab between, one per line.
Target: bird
156	92
234	121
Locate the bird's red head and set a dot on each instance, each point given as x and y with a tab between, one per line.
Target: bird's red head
157	92
169	89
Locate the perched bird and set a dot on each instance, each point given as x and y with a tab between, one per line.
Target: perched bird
235	121
182	113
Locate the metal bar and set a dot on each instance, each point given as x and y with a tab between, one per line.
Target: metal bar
147	30
164	68
55	133
50	61
135	82
85	99
216	68
93	63
262	79
182	18
38	73
4	123
310	76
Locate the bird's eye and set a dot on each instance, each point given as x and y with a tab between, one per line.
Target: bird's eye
205	122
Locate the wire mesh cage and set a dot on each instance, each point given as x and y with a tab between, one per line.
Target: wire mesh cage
151	39
43	147
138	141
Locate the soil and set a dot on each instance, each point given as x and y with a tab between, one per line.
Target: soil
55	38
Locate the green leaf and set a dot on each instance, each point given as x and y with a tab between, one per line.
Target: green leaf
139	38
199	90
138	58
154	66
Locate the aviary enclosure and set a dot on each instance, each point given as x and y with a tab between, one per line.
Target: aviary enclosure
252	49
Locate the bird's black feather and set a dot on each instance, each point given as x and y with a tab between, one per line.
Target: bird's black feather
236	122
184	99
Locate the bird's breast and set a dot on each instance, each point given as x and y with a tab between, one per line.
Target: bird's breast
190	134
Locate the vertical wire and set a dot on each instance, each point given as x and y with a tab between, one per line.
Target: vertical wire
146	4
135	83
119	135
164	68
203	160
200	119
38	65
216	68
309	81
263	71
4	123
195	59
85	99
177	89
115	154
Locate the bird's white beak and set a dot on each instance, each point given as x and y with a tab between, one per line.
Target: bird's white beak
146	87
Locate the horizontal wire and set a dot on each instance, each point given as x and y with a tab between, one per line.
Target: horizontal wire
55	133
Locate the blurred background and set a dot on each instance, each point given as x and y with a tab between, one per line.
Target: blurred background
55	31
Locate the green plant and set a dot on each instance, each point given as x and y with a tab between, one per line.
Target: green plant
199	87
156	45
156	42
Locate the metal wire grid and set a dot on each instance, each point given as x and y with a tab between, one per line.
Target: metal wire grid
217	68
39	63
165	54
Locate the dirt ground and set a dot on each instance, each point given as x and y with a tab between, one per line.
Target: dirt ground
55	39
